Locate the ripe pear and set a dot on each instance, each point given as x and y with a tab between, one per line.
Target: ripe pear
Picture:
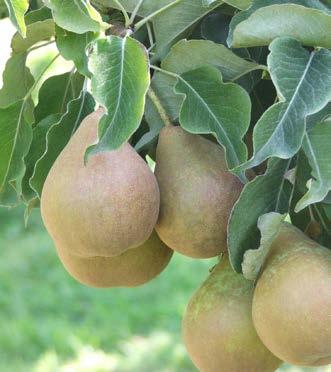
130	269
218	329
292	299
197	193
103	208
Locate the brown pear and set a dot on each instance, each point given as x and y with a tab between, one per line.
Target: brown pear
292	299
197	193
130	269
103	208
218	329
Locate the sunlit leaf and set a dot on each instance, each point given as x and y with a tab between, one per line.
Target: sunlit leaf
120	80
17	9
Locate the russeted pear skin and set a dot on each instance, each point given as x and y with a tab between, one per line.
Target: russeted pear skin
197	193
103	208
132	268
217	327
292	299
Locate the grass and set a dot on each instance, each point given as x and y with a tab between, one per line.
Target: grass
46	315
51	323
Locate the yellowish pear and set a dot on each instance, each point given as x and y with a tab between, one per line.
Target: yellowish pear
292	299
218	329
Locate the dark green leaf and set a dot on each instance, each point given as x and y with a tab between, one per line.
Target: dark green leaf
72	47
58	136
56	93
212	107
266	193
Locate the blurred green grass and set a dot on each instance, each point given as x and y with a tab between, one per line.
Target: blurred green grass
44	312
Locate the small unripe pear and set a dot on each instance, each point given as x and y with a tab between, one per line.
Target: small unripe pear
218	329
292	299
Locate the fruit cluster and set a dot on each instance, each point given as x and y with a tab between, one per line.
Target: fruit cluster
115	223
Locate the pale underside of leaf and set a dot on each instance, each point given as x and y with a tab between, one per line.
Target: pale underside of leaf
120	82
303	82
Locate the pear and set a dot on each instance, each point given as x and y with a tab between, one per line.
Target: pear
292	299
197	193
103	208
130	269
218	329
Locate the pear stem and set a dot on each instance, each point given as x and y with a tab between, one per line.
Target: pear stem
159	107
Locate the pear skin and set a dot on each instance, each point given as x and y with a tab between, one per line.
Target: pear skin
103	208
218	329
197	193
132	268
292	299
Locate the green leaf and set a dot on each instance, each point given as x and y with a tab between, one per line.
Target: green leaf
72	47
316	146
15	140
38	147
269	224
35	32
76	16
56	93
240	4
261	24
266	193
58	136
15	71
174	22
212	107
189	55
17	9
303	83
120	80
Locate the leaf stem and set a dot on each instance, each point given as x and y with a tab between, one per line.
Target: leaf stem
165	72
124	12
41	45
135	11
154	14
159	107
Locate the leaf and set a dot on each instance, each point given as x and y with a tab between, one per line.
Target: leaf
15	71
15	140
72	47
56	93
38	147
267	20
189	55
303	83
316	146
269	225
240	4
58	136
17	9
266	193
120	80
210	106
174	22
76	16
35	32
301	176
